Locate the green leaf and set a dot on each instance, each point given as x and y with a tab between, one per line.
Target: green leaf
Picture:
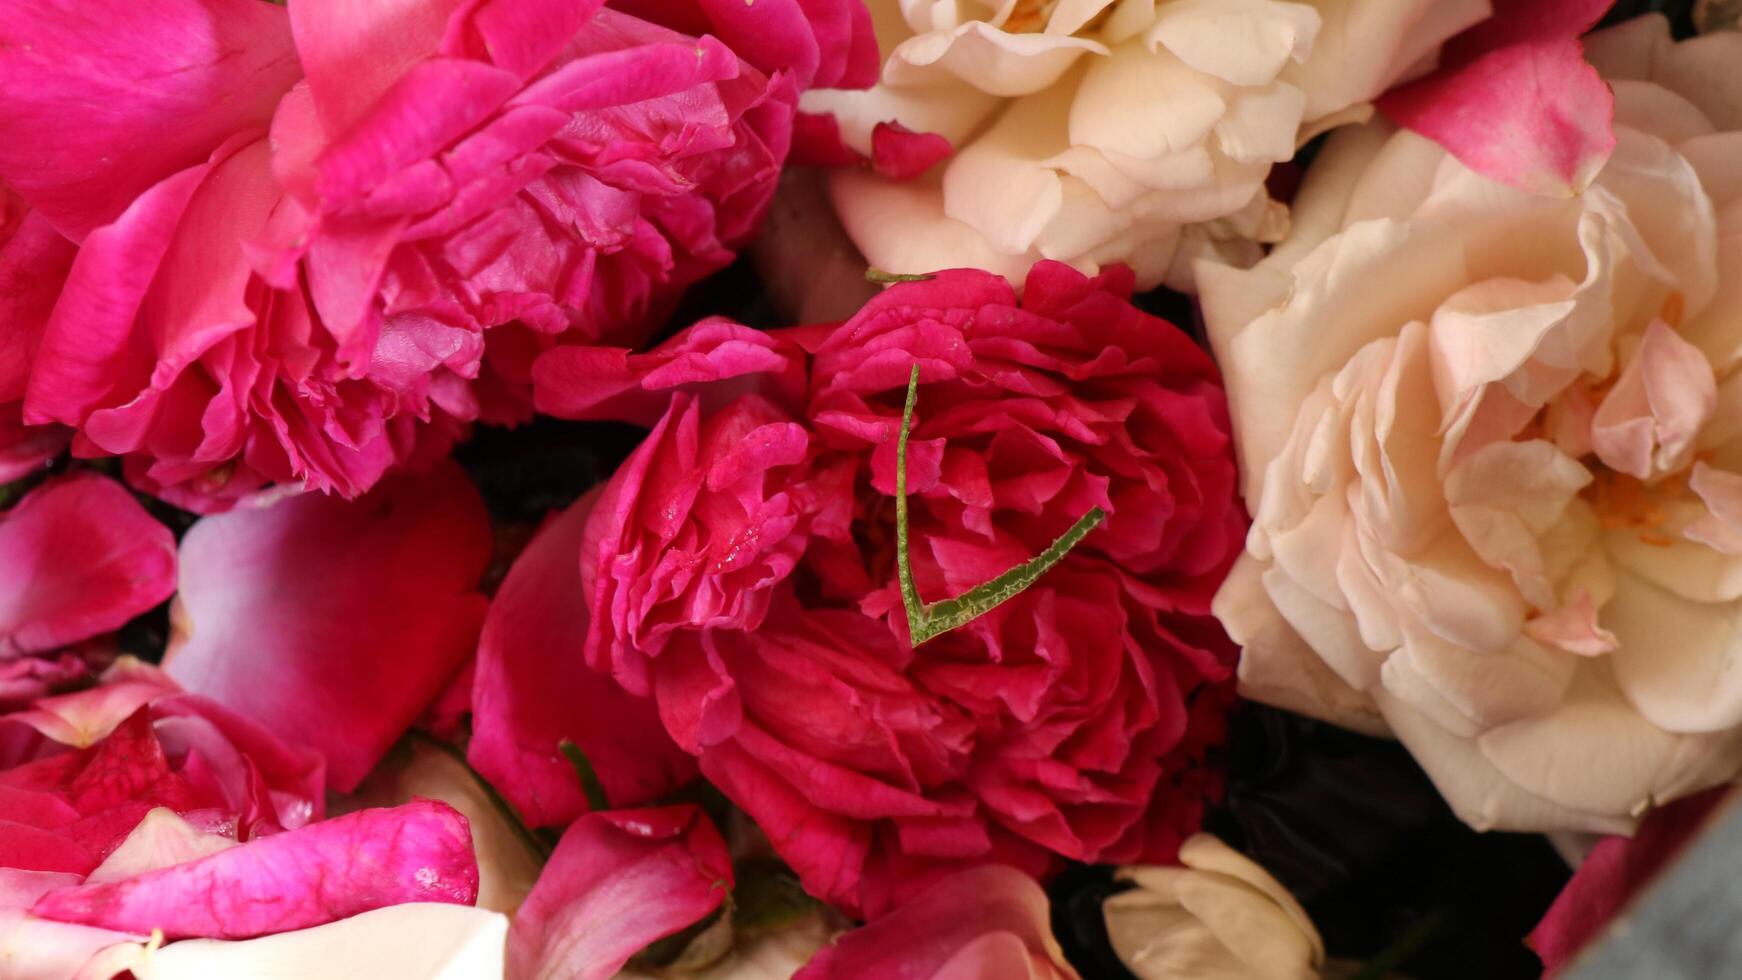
927	621
590	784
882	278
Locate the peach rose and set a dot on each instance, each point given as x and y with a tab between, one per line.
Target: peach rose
1108	131
1492	443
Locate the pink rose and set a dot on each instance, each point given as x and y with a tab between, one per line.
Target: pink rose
740	571
297	226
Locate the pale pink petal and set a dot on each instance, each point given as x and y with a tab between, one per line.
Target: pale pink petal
618	881
163	839
334	622
534	690
419	852
986	922
1721	529
78	557
106	98
1573	627
1648	422
1516	100
84	718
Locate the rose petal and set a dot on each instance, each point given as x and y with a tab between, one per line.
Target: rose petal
161	840
1516	101
109	98
335	622
416	939
980	922
307	877
1615	871
534	690
78	557
617	882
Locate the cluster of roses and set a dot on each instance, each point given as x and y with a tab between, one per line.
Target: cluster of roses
1481	402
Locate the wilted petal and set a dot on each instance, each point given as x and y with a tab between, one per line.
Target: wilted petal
78	557
329	870
335	622
618	881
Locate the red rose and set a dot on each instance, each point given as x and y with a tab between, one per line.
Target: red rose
740	569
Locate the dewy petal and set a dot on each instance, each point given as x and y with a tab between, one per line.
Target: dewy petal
78	556
415	939
616	882
987	58
533	690
326	871
106	98
335	622
944	932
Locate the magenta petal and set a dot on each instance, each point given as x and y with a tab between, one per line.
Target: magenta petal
900	153
78	557
1516	100
533	689
335	623
419	852
617	882
105	98
1616	870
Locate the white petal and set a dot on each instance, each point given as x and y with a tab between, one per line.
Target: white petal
901	228
1679	662
1145	105
1245	42
1260	125
1478	792
425	940
1596	752
991	60
1363	46
951	108
1484	689
1276	665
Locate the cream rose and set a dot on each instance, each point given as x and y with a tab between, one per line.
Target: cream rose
1492	444
1103	131
1217	916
